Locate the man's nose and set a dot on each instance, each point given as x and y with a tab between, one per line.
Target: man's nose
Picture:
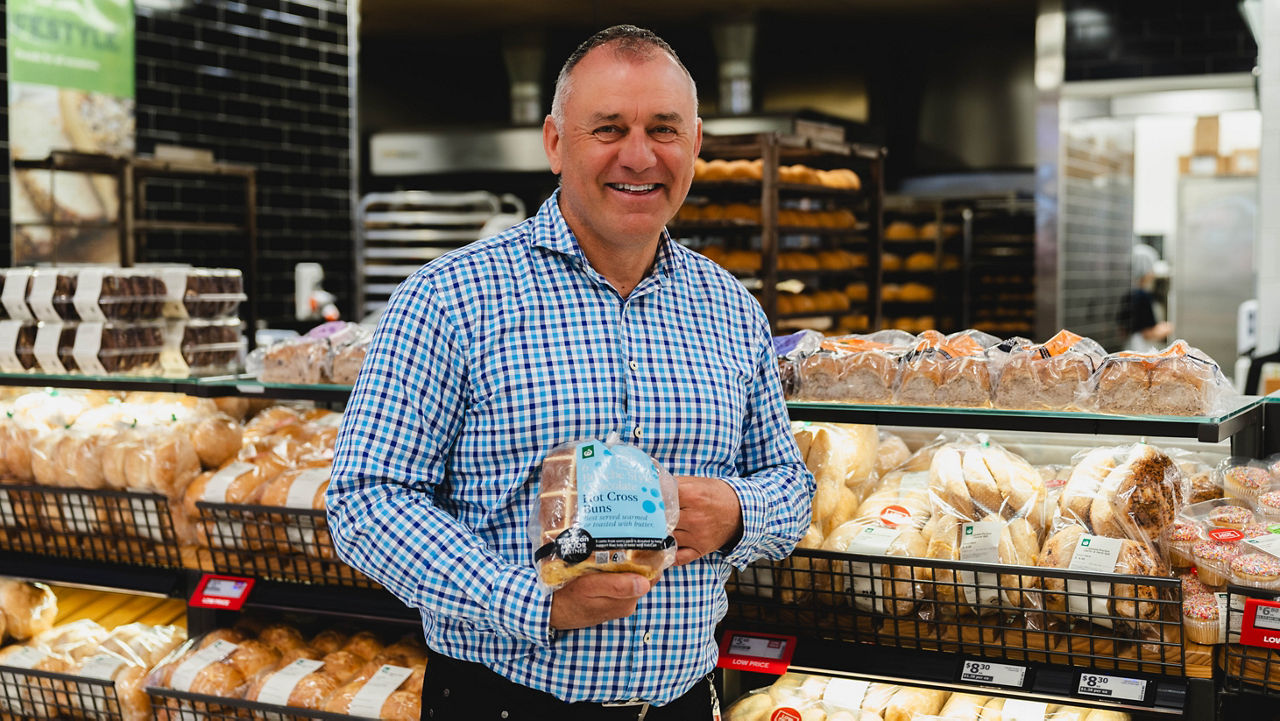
637	153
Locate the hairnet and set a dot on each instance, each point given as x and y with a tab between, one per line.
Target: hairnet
1144	260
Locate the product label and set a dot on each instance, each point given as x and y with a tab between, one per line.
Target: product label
14	295
620	506
1128	689
916	481
980	542
88	289
1095	554
280	686
843	693
1000	674
894	516
1016	709
101	666
171	361
216	490
46	348
369	699
302	492
9	362
25	657
1269	543
186	671
175	287
88	343
866	580
40	299
1222	599
1225	535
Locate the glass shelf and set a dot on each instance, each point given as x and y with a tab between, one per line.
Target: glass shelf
205	387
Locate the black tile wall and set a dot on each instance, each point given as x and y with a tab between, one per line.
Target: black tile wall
259	82
1109	39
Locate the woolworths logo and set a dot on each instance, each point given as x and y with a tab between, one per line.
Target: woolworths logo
968	530
588	451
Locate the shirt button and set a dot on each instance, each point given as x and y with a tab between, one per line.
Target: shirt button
636	432
633	365
648	637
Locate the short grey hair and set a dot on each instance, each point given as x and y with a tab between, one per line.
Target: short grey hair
628	41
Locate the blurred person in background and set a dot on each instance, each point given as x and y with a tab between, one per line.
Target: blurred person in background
1139	323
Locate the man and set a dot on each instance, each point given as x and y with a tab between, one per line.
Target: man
585	319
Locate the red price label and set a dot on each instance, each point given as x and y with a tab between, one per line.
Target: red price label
891	516
786	713
756	652
1225	535
1260	625
223	592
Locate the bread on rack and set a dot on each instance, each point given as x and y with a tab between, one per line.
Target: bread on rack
1048	376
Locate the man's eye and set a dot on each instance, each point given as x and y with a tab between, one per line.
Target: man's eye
664	132
608	131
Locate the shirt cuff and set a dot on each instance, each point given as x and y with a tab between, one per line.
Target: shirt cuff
755	514
520	607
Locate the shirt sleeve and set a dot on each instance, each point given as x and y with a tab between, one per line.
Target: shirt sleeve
773	486
398	431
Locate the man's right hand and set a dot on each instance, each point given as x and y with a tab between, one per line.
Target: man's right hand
597	597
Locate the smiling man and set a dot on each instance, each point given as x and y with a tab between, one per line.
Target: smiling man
585	320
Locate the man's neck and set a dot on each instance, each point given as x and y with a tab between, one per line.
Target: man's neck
624	268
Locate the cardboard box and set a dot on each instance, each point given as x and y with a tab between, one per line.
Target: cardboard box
1206	140
1203	165
1243	161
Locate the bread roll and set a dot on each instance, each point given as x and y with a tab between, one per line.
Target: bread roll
29	608
364	644
1086	478
343	665
1057	553
218	679
328	641
251	656
282	637
891	452
752	707
308	691
297	488
1018	547
947	482
981	484
964	707
235	483
216	439
1140	497
910	702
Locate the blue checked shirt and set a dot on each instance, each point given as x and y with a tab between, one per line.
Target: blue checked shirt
490	357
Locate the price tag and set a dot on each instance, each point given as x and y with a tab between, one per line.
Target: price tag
249	388
756	652
1000	674
224	592
1117	687
1260	623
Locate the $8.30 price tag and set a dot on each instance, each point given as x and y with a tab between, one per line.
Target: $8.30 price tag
1117	687
1000	674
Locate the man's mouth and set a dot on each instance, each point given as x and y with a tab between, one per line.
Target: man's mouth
634	189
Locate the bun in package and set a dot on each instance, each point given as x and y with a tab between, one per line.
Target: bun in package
603	506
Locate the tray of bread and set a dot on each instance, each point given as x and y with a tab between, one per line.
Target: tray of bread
1103	558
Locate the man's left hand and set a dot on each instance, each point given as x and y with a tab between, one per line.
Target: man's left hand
710	517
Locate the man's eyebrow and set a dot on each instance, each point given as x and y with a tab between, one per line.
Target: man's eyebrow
614	117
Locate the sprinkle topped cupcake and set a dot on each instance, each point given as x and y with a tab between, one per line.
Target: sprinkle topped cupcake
1182	535
1259	570
1200	618
1246	482
1192	585
1236	517
1268	505
1257	530
1213	558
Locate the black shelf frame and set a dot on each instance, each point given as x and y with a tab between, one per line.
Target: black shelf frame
153	581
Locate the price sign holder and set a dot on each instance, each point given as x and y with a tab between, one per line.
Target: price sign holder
225	593
987	673
1108	687
756	652
1260	623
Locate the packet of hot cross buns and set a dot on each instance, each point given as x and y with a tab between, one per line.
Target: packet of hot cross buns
603	506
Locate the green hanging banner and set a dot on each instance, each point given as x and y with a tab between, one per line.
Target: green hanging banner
71	88
79	44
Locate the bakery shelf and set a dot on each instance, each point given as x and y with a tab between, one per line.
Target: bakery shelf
1245	417
87	573
120	382
199	707
158	226
246	385
28	693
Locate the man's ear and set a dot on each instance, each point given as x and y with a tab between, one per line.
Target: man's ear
697	138
551	143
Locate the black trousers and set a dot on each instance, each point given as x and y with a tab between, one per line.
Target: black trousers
456	690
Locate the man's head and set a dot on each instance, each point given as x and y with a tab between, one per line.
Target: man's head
622	134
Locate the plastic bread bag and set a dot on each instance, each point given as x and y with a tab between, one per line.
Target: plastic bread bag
952	370
1202	483
1073	548
1140	497
216	664
891	452
791	350
124	657
603	506
34	415
379	696
301	683
348	354
1047	376
296	360
988	506
29	609
32	697
1177	381
853	368
841	458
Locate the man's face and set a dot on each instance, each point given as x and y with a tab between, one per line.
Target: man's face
625	153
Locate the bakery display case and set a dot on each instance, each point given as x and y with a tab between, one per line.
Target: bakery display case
798	221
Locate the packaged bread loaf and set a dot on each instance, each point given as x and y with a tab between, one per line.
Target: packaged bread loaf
841	458
1073	548
124	657
1140	497
378	697
952	370
300	683
855	368
1047	376
29	608
1177	381
603	506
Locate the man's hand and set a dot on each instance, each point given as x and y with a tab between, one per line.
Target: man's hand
595	598
710	517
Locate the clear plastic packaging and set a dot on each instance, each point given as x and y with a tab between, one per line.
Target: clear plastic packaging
953	370
311	358
1177	381
1048	376
1245	478
855	368
603	506
202	292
